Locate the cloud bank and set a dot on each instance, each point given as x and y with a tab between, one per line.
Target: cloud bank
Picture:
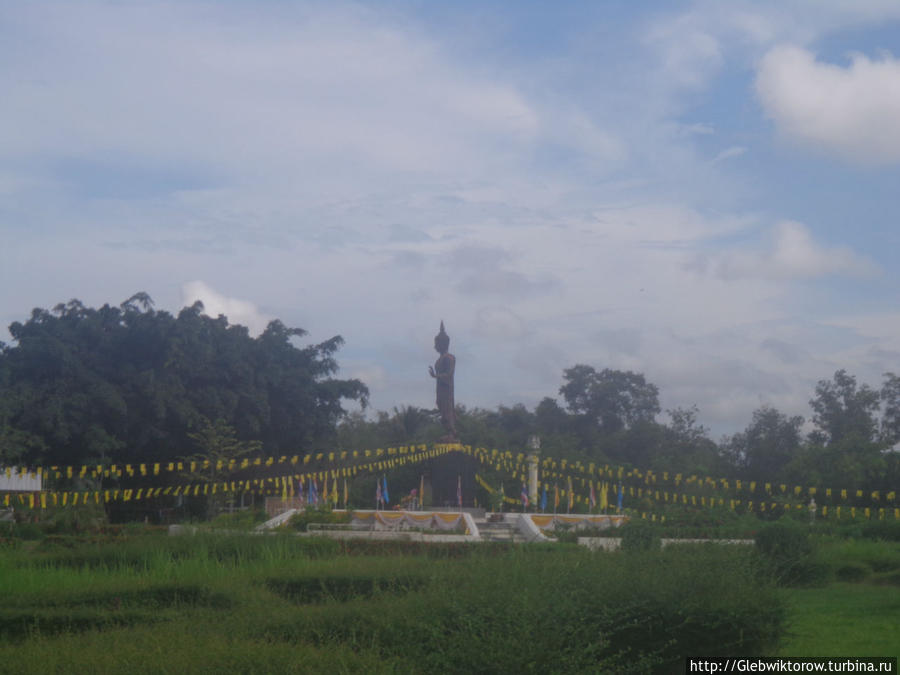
850	111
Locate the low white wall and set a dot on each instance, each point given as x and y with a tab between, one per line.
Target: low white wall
613	543
387	535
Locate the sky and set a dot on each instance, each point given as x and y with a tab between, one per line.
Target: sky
703	192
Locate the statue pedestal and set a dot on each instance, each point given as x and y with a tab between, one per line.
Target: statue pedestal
449	471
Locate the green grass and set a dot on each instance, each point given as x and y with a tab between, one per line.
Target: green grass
258	604
843	619
286	604
186	645
858	613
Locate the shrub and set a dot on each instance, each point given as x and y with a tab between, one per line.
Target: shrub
852	572
301	520
565	534
790	553
568	611
27	531
891	578
639	535
241	520
885	530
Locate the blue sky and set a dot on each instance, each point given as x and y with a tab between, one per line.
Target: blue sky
705	192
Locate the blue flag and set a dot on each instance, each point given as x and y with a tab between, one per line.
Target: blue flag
384	491
544	498
621	495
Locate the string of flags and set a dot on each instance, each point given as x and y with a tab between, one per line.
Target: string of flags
574	482
762	490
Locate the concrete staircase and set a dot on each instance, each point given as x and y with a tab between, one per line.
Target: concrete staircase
501	530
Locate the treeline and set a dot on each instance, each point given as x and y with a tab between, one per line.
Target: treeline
611	416
132	384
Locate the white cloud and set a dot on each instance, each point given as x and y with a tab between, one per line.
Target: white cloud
791	253
728	153
176	85
689	53
237	311
850	111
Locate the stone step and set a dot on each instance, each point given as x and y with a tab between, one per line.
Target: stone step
510	537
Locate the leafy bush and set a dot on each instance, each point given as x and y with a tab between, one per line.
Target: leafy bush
890	578
396	547
27	531
566	611
417	607
301	520
241	520
310	589
885	530
640	535
852	572
566	534
791	554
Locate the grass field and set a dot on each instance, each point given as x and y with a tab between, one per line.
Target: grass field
843	619
248	604
857	613
282	604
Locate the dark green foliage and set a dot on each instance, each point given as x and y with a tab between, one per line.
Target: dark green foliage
241	520
884	530
611	399
26	531
693	522
888	578
494	609
852	572
341	588
128	384
566	534
156	597
767	445
843	410
300	521
19	624
791	554
141	552
436	551
640	535
567	612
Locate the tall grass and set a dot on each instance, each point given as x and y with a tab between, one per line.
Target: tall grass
288	604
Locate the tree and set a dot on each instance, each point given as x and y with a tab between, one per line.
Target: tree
845	448
218	445
844	411
130	383
768	444
890	418
550	418
611	399
685	426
